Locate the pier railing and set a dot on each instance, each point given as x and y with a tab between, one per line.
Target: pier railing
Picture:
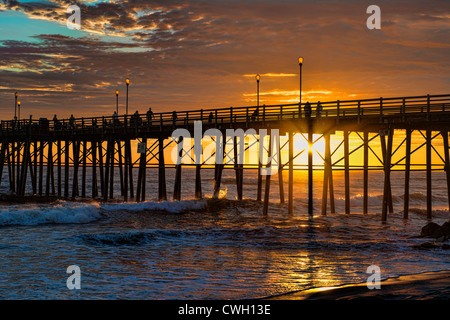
379	107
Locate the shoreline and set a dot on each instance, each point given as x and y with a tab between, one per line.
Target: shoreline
434	285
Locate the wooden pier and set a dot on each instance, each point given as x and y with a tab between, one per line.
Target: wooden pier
33	149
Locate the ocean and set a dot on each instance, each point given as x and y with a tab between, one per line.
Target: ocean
214	249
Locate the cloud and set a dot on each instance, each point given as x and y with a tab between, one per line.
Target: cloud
193	54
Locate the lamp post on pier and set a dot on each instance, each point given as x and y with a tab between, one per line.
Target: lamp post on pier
127	81
18	109
300	64
258	77
15	104
117	101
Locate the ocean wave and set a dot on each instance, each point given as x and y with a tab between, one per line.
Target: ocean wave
60	212
168	206
66	212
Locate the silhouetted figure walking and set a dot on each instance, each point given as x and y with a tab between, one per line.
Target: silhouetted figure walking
72	121
319	109
116	118
307	108
210	117
174	117
255	114
56	123
150	116
136	118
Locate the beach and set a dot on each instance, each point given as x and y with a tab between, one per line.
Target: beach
424	286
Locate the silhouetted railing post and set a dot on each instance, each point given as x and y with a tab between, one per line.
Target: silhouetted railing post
381	107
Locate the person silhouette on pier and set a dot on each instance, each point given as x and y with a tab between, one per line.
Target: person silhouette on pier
150	116
136	118
319	109
255	114
72	121
307	108
115	118
174	117
56	123
210	117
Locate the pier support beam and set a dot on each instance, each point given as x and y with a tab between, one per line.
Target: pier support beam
94	169
347	173
140	189
59	176
407	173
259	185
387	179
328	186
291	175
177	184
366	173
280	173
310	171
66	168
429	190
384	152
267	187
162	189
447	163
76	159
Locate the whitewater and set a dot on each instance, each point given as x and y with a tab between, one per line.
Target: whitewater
214	249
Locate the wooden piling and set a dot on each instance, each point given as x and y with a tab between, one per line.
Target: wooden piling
280	173
120	165
2	158
268	175
111	169
101	168
237	169
259	185
83	170
310	171
59	175
326	173
407	173
162	189
76	159
291	174
49	168
389	192
177	184
12	172
130	169
387	180
66	168
41	167
447	163
94	169
428	160
107	168
366	173
347	172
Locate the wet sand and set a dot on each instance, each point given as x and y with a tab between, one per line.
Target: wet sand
424	286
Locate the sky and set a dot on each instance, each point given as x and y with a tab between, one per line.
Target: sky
184	55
